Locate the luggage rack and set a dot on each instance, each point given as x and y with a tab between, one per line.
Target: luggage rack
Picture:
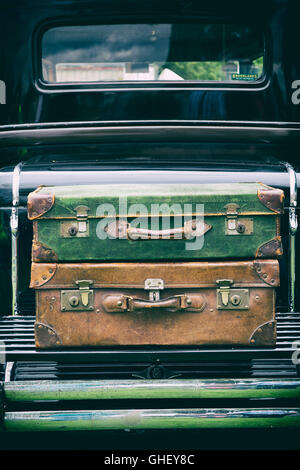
17	333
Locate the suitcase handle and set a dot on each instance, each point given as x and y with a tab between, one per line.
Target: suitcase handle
192	228
172	304
123	303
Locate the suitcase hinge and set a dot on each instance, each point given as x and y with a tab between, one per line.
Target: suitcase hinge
154	286
231	299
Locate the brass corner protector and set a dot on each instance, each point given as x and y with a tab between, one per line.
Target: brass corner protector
272	199
267	272
264	335
41	274
46	337
39	204
271	249
42	253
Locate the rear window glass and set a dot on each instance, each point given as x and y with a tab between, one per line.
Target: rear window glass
152	52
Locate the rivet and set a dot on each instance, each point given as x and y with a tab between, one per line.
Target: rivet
259	330
98	310
188	301
44	277
50	271
36	283
57	342
40	326
120	303
272	281
91	308
270	324
257	297
252	341
265	276
49	200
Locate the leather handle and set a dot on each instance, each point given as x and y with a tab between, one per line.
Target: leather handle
123	303
191	229
171	304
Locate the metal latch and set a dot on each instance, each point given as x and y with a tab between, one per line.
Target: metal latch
81	299
231	299
235	225
154	286
82	215
78	228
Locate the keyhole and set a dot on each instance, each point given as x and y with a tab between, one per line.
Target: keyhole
235	299
73	231
73	301
241	228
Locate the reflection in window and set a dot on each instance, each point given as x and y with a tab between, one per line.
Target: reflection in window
150	52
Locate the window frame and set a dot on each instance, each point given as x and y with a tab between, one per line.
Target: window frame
145	85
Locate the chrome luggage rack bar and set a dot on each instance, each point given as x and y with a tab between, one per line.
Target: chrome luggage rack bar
293	227
14	227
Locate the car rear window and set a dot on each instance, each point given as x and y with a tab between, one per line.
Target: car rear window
152	52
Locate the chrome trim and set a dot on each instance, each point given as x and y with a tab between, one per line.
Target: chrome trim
8	371
14	227
91	131
151	389
293	227
191	418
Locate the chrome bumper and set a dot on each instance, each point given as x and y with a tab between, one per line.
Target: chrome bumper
145	418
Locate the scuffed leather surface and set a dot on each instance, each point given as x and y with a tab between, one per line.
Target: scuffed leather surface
176	275
207	326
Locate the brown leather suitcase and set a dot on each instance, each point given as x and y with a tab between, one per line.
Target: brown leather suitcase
195	303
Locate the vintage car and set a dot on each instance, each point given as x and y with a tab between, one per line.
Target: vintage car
130	92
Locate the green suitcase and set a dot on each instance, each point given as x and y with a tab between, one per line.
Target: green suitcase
155	222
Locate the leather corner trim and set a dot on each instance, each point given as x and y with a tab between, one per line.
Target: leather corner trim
267	272
264	335
38	204
46	337
41	274
271	249
272	199
42	253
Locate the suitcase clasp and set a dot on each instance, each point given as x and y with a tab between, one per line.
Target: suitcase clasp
76	228
81	299
84	290
231	299
224	289
235	225
82	216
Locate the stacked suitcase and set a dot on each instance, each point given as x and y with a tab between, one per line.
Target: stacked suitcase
155	264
